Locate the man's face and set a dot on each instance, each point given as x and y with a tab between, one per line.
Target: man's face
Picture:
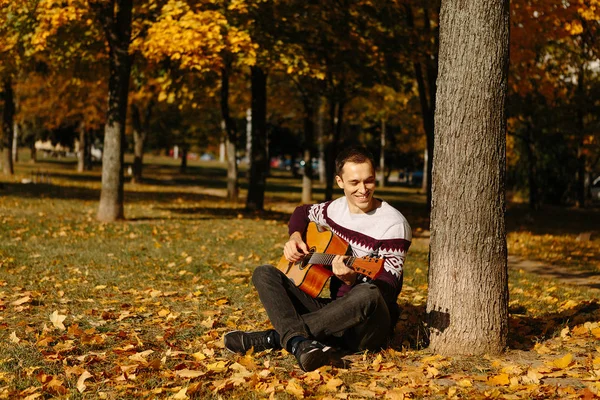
358	183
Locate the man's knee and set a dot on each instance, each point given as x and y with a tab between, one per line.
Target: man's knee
369	296
263	273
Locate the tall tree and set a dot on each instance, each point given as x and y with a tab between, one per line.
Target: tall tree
116	18
467	303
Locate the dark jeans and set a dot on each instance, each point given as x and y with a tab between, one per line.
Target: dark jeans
357	321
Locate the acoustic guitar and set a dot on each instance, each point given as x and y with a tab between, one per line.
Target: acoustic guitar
310	274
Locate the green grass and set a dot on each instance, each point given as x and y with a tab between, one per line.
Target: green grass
175	275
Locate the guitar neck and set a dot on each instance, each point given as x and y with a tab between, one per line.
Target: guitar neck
368	267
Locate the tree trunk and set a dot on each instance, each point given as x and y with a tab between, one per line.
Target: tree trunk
84	157
258	154
467	303
426	85
309	134
8	114
230	136
15	142
141	126
581	100
118	30
184	158
382	154
321	140
531	168
336	118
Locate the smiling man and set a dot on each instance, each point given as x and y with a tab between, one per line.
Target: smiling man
360	313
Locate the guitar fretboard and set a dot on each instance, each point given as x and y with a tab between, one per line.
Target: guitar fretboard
327	259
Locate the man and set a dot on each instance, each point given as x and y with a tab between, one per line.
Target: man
360	314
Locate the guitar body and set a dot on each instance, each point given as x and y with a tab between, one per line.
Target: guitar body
311	278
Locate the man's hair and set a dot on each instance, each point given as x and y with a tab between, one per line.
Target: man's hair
354	154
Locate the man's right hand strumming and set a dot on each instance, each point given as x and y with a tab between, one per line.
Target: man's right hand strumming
295	248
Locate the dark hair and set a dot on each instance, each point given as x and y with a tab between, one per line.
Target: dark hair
354	154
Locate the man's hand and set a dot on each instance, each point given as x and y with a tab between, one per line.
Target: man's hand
345	274
295	248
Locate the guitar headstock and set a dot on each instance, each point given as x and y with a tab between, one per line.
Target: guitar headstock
368	266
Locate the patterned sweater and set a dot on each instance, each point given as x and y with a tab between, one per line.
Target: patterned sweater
383	232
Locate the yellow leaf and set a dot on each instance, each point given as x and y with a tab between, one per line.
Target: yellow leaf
199	356
14	338
181	395
21	301
219	366
465	383
294	388
81	381
163	313
188	373
57	320
499	380
332	384
563	362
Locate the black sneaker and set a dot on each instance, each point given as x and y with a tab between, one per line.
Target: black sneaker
241	342
312	355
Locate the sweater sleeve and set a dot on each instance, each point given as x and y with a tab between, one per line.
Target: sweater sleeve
299	219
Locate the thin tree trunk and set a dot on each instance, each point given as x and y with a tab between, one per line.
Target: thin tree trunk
15	142
581	156
382	154
84	160
258	155
337	116
118	30
309	134
230	136
467	302
531	169
184	157
8	114
321	139
141	126
426	85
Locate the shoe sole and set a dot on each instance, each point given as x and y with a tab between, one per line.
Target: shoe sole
316	359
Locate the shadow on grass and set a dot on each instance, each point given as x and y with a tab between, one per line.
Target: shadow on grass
552	220
523	333
227	213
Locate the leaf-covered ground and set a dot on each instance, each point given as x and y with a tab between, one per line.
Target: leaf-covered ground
137	309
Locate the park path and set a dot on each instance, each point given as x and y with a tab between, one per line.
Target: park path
574	277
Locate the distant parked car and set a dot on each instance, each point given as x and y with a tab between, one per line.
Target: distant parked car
596	190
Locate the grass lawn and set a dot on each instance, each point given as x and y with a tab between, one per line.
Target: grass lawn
137	309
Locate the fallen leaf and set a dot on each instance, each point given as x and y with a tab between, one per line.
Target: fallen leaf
563	362
181	395
294	388
188	373
218	366
14	338
57	320
22	300
81	381
499	380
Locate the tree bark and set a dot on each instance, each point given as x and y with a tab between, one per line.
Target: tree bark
581	101
8	114
258	153
141	126
382	182
467	303
426	85
116	20
309	134
15	142
230	136
336	114
84	157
